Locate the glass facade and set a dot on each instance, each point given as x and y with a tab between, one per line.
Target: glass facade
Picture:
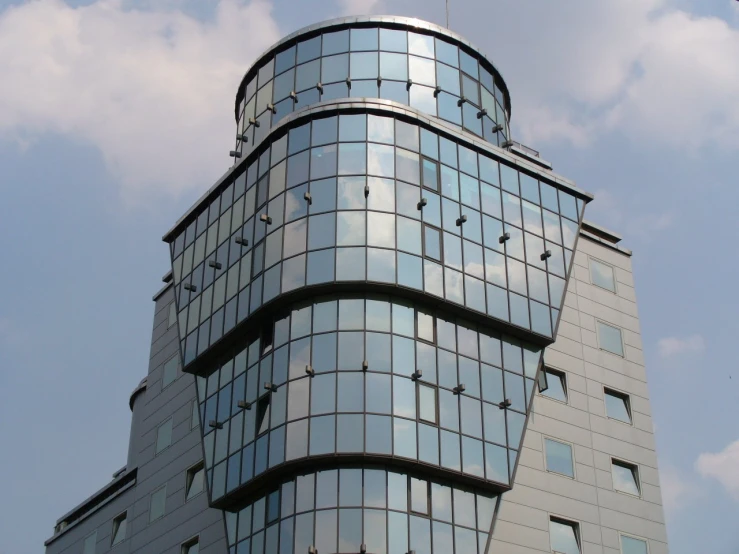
367	375
341	509
362	197
365	297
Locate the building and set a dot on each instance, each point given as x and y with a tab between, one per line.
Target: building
347	353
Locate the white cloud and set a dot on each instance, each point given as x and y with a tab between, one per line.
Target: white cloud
610	210
152	90
674	346
640	67
677	490
722	466
361	7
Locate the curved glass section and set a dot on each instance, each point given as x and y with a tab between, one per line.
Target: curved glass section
366	198
434	75
367	375
341	509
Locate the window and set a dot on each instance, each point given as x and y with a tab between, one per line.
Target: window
263	414
625	477
169	373
430	174
195	419
557	385
191	547
563	536
559	457
427	403
90	543
172	318
119	529
431	242
618	406
164	435
601	275
194	483
157	503
610	338
632	545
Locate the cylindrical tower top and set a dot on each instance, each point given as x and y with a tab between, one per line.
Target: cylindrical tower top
407	60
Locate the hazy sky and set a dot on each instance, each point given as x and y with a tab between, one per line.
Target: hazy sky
115	116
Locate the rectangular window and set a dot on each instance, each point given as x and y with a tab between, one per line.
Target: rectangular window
169	372
625	477
430	174
195	419
601	275
90	543
632	545
172	316
157	503
191	547
432	242
564	536
559	457
263	414
119	529
194	484
610	338
427	403
419	496
164	435
618	405
557	385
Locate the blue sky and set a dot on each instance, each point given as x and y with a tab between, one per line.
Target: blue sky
115	116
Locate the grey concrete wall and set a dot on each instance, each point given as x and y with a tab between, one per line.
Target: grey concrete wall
182	520
589	499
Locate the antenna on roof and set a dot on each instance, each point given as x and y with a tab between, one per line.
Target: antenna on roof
447	14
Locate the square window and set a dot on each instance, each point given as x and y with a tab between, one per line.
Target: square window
632	545
164	435
119	529
610	338
625	477
557	385
90	543
618	406
195	483
564	536
191	547
602	276
427	406
432	242
157	503
559	458
169	372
